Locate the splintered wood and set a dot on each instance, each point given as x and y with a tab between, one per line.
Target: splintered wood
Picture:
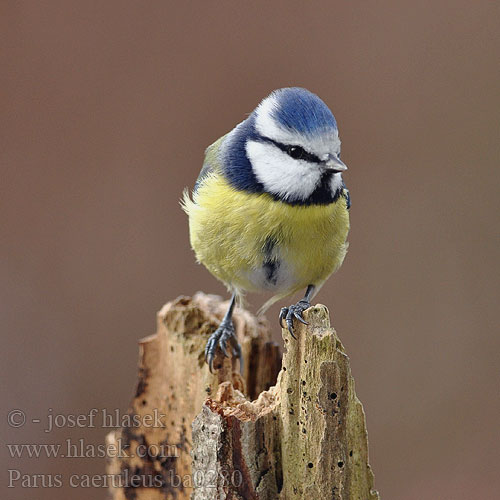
288	428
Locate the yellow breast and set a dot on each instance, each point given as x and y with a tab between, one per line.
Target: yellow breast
230	232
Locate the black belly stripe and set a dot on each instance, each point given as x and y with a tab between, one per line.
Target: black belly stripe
270	265
271	268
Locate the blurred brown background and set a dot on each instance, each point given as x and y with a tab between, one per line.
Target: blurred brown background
106	110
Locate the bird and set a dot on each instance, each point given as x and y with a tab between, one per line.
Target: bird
269	211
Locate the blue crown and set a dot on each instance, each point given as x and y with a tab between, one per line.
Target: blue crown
302	111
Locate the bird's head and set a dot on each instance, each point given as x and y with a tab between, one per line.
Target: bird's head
288	147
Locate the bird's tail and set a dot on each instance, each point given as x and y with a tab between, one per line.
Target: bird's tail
280	296
270	302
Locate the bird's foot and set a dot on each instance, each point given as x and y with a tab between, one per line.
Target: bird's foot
294	311
221	337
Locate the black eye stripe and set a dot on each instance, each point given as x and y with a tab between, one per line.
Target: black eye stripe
294	151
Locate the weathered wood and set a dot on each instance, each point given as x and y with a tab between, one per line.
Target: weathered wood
304	437
174	383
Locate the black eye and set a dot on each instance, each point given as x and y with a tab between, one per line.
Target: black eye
296	152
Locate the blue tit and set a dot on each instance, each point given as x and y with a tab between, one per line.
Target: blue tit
269	210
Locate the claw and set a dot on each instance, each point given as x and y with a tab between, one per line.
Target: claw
207	351
210	360
237	354
219	339
300	318
283	313
222	345
209	354
294	311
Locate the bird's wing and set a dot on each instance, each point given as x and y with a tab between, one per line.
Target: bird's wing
211	162
346	195
206	170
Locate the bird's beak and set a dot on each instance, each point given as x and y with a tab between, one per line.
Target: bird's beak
335	163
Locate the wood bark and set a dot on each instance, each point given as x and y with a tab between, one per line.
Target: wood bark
289	427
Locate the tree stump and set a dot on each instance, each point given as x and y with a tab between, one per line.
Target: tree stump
287	428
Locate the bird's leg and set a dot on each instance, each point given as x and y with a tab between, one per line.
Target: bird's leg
296	310
224	334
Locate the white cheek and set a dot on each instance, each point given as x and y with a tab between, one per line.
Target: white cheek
336	182
280	174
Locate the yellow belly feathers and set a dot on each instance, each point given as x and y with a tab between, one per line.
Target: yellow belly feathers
229	231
